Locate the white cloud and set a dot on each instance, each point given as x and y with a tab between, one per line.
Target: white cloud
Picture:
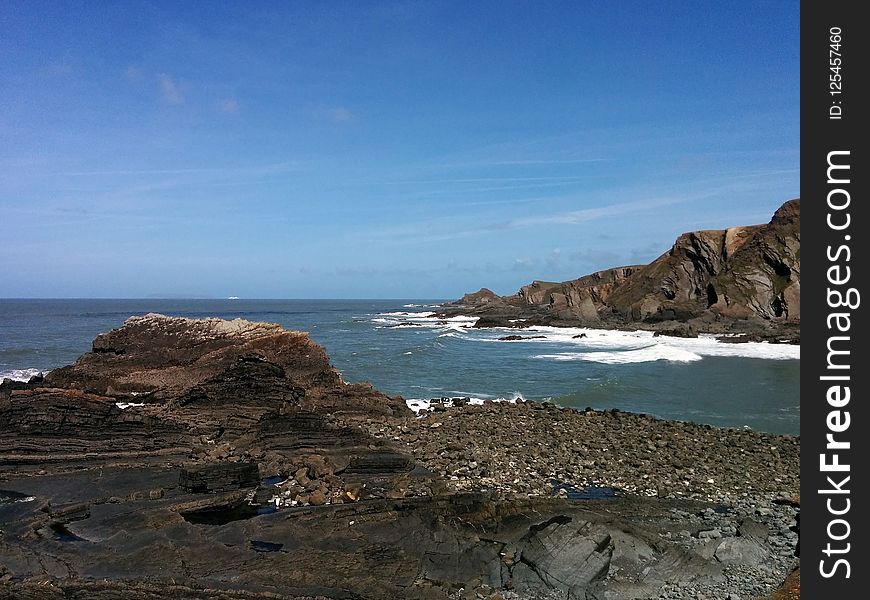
170	90
576	217
337	114
133	74
230	105
58	69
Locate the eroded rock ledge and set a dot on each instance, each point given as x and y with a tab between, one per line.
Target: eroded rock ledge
242	466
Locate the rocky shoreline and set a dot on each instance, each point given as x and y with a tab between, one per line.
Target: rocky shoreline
747	480
637	454
242	466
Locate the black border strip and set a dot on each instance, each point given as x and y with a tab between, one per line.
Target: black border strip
834	230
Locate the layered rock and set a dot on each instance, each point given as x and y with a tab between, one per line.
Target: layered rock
42	425
740	272
762	275
210	390
164	357
579	298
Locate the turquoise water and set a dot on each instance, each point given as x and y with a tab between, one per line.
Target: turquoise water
734	385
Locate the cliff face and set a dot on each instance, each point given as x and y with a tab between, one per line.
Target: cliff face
750	272
739	272
762	276
582	297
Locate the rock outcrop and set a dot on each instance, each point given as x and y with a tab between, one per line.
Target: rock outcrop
225	459
741	272
712	279
580	298
480	297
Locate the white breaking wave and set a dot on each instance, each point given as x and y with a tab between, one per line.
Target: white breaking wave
423	317
579	342
595	345
624	357
419	405
447	327
707	345
20	374
454	327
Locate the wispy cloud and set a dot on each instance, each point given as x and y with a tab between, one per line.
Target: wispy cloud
521	162
478	180
612	205
264	169
457	190
230	105
112	186
523	264
452	228
575	217
336	114
58	69
134	74
170	90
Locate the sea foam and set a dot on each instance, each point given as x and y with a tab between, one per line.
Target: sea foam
20	374
647	354
420	405
581	344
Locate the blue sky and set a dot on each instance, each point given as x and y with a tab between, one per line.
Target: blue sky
390	149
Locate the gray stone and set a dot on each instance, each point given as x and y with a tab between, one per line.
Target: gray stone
751	528
740	550
710	534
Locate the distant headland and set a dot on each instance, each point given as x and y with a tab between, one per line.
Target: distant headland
743	281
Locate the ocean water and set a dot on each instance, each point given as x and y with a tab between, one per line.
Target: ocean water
402	348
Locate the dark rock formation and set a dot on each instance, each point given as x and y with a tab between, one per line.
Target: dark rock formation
580	298
740	272
47	425
710	278
223	476
480	297
683	331
225	459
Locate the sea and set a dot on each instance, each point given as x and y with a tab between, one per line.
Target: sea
403	348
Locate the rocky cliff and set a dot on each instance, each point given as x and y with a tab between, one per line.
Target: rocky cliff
189	458
740	272
710	279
